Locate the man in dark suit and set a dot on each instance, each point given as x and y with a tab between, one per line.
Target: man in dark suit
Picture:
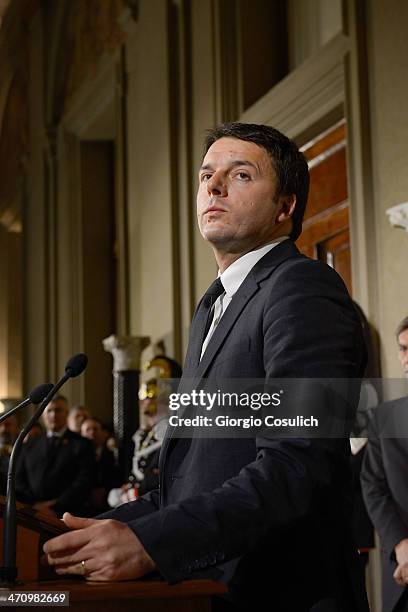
385	490
268	517
56	469
107	473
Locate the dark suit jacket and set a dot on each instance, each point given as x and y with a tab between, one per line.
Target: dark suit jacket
107	477
362	526
64	473
107	472
270	518
385	488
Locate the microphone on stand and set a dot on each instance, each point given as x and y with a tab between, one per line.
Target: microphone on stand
8	573
35	397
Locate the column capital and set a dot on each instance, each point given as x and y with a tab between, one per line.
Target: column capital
398	215
126	351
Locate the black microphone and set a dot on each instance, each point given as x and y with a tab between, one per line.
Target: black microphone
76	365
8	573
35	397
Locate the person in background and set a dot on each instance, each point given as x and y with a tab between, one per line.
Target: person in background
385	489
153	406
9	429
369	399
76	417
35	431
402	337
107	474
110	439
56	469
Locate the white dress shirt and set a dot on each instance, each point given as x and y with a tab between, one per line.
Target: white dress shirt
232	278
56	434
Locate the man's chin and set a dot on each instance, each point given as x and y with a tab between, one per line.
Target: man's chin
216	236
209	230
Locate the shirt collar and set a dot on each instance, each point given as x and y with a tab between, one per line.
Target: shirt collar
233	277
57	434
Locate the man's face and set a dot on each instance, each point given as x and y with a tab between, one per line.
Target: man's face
8	430
403	350
76	417
236	206
93	431
55	415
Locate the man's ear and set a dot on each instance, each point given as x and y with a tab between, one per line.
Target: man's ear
287	205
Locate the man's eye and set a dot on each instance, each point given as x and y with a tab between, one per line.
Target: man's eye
205	177
243	176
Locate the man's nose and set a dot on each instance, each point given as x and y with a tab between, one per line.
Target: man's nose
216	185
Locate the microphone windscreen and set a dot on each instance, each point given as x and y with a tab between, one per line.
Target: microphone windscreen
76	365
40	392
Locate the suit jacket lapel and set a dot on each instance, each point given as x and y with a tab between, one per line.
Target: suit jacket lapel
263	269
194	346
193	374
248	288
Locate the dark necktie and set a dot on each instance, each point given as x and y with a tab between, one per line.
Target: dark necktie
53	444
200	325
206	310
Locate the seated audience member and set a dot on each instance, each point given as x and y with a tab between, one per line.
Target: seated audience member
107	474
8	433
56	469
153	407
385	489
76	417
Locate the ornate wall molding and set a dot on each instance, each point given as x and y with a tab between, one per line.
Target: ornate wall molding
307	95
98	22
93	97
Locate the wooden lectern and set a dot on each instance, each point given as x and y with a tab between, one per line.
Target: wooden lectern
34	528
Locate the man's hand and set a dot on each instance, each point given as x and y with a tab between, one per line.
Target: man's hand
46	507
99	550
401	553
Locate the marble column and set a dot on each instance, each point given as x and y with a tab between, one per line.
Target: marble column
126	351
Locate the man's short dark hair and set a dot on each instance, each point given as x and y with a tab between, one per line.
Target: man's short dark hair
402	327
95	420
59	398
77	407
289	163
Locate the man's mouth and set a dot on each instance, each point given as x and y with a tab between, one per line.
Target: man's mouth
212	209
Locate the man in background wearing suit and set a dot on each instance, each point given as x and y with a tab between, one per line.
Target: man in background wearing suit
107	473
268	517
56	469
385	488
